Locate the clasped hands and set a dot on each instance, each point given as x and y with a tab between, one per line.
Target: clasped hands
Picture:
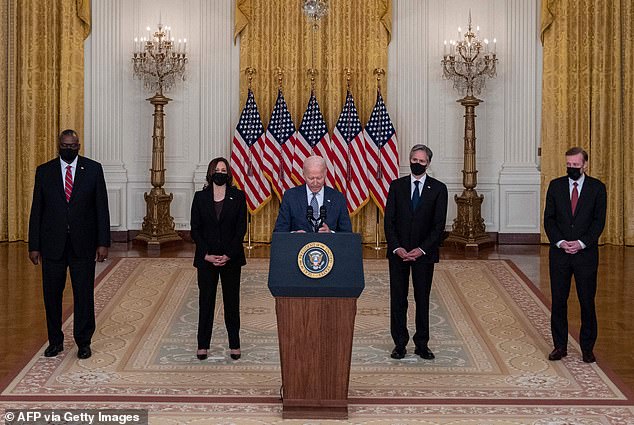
217	260
570	247
408	256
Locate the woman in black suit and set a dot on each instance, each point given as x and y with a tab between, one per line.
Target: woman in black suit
218	225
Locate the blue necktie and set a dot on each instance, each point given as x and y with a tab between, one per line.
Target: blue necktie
416	195
315	205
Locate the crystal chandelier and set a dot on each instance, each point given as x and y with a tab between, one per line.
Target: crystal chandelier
315	9
468	62
157	60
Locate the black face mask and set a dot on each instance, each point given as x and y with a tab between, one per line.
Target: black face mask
68	155
574	173
418	169
219	179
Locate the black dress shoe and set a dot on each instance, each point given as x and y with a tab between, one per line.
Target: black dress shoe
84	352
200	355
557	354
236	354
425	353
588	357
398	353
53	350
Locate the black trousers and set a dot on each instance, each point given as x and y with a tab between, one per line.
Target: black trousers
422	276
208	276
583	266
82	277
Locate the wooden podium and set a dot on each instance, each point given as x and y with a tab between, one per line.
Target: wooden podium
316	280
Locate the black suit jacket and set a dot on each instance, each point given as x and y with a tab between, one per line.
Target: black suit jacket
423	227
85	217
219	236
588	221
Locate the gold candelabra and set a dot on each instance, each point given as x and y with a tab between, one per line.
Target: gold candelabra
158	61
468	62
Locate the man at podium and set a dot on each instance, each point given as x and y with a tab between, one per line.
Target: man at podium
313	206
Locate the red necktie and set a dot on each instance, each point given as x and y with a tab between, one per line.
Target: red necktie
68	183
574	198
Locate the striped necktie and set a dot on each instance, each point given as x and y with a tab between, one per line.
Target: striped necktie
315	205
68	183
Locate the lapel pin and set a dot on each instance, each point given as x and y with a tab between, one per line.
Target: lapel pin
81	168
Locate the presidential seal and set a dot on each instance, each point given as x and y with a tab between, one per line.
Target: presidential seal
315	260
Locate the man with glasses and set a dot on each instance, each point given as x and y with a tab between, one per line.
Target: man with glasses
69	229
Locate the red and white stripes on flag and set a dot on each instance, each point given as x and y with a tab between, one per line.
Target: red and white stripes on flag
312	138
277	163
246	156
349	158
381	152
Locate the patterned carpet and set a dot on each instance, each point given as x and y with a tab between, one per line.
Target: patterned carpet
490	333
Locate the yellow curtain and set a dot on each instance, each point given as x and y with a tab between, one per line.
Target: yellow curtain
42	92
276	34
588	87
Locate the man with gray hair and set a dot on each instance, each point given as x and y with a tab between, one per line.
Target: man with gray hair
313	202
415	216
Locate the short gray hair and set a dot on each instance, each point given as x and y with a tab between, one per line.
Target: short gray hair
314	161
421	148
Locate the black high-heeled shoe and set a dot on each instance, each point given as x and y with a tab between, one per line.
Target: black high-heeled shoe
235	354
201	356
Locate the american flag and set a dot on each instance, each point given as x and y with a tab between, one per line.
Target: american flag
381	152
312	138
277	161
348	156
246	156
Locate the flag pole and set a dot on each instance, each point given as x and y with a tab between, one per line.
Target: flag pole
377	244
379	73
249	245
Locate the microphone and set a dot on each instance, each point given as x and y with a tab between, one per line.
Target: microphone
322	213
309	213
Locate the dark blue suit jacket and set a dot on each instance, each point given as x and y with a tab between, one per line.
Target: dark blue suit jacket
423	227
292	215
86	218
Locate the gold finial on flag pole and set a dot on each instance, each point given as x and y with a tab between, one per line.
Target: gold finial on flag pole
250	74
312	73
379	73
348	73
280	77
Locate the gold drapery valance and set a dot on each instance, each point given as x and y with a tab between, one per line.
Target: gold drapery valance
42	92
276	34
588	87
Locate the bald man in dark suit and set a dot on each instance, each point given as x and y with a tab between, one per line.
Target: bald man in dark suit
574	218
69	229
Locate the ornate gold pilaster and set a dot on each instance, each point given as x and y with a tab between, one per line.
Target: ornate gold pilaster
468	227
158	224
